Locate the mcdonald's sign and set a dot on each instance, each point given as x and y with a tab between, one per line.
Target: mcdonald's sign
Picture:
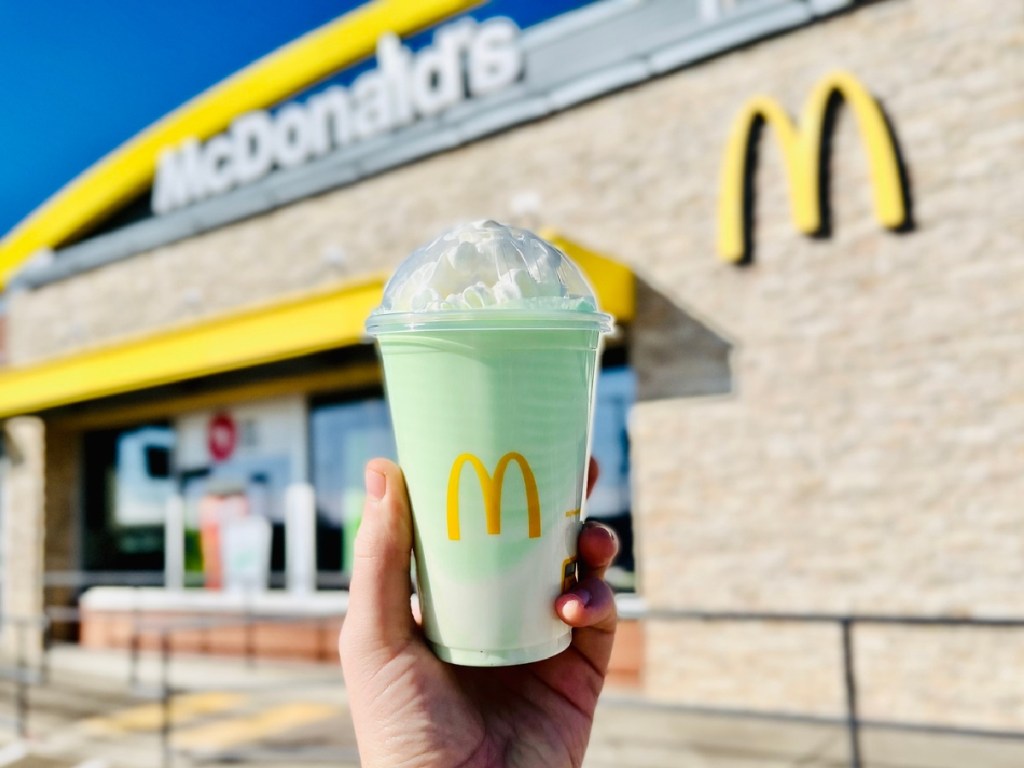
491	487
804	148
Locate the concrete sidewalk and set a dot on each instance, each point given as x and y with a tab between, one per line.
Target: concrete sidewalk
292	715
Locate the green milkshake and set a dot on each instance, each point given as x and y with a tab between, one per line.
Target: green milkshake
489	338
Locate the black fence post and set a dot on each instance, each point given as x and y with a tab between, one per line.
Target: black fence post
134	643
249	637
133	655
165	697
21	684
850	686
44	665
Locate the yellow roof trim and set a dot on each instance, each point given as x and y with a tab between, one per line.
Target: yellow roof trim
612	281
128	170
283	330
265	334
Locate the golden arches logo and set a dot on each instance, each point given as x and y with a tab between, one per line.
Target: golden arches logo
491	489
803	148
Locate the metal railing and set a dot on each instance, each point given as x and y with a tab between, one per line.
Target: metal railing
157	635
20	672
160	636
165	631
85	579
846	623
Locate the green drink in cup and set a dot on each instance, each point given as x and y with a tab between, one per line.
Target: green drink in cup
489	338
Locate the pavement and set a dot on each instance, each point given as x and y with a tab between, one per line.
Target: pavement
89	714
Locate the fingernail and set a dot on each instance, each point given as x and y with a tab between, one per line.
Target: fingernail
376	484
583	595
610	533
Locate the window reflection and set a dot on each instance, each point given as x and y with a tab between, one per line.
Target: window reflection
611	500
344	436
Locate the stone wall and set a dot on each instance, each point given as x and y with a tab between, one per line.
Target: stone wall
21	536
870	459
858	440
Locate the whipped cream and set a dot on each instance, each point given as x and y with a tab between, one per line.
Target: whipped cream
487	265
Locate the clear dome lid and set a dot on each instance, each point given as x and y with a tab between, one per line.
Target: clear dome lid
484	271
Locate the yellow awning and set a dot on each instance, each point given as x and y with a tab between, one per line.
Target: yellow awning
291	328
612	281
265	334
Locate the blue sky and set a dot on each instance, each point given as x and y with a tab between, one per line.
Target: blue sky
77	79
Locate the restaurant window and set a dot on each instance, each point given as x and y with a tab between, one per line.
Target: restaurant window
611	500
344	436
235	465
127	481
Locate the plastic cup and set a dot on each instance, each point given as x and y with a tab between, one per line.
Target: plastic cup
492	412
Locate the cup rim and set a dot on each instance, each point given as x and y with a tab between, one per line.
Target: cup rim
488	320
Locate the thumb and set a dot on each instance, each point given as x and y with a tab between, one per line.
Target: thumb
379	616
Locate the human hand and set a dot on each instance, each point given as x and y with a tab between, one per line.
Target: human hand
412	710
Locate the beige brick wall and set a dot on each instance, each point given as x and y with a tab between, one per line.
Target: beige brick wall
777	667
951	676
21	535
869	455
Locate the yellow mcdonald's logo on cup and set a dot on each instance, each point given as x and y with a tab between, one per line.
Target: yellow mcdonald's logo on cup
491	489
803	148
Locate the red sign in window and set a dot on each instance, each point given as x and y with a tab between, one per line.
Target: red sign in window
222	437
